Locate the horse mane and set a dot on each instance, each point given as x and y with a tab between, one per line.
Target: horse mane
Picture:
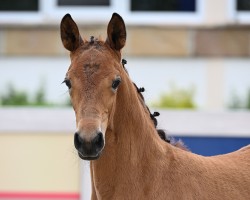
161	132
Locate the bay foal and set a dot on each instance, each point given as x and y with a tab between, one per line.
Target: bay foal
114	130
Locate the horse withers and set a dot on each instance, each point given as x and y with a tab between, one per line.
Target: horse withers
115	131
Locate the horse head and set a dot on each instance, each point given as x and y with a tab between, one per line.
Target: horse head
93	79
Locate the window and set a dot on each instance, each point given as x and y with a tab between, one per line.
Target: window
243	5
242	11
163	5
16	5
162	12
20	12
83	3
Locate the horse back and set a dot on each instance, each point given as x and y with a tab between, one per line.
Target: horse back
231	173
217	177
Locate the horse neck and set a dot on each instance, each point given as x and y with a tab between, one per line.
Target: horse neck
133	126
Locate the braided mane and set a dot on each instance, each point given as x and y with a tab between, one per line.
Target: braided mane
161	132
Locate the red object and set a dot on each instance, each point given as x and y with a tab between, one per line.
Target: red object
39	195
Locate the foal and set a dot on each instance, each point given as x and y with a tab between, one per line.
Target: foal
114	130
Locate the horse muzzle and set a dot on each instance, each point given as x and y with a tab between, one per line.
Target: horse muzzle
89	149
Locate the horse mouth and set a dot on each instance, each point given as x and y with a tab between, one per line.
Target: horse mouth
88	157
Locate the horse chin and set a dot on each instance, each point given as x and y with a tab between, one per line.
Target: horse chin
88	158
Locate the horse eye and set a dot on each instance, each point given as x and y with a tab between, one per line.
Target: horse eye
116	83
67	82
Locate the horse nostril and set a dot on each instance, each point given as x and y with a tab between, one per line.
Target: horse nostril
99	141
78	141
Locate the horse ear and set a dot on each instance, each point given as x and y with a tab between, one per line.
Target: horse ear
116	32
70	35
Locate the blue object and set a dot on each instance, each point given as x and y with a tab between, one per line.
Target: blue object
209	146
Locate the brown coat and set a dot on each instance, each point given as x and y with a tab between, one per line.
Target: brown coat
135	163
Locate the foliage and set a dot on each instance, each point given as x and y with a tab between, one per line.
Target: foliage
248	100
40	96
14	97
239	103
176	98
235	102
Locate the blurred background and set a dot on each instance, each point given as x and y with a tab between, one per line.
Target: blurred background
191	56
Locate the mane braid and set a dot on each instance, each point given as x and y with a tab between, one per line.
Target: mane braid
92	39
153	116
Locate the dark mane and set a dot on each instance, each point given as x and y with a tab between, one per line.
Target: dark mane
92	40
162	133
